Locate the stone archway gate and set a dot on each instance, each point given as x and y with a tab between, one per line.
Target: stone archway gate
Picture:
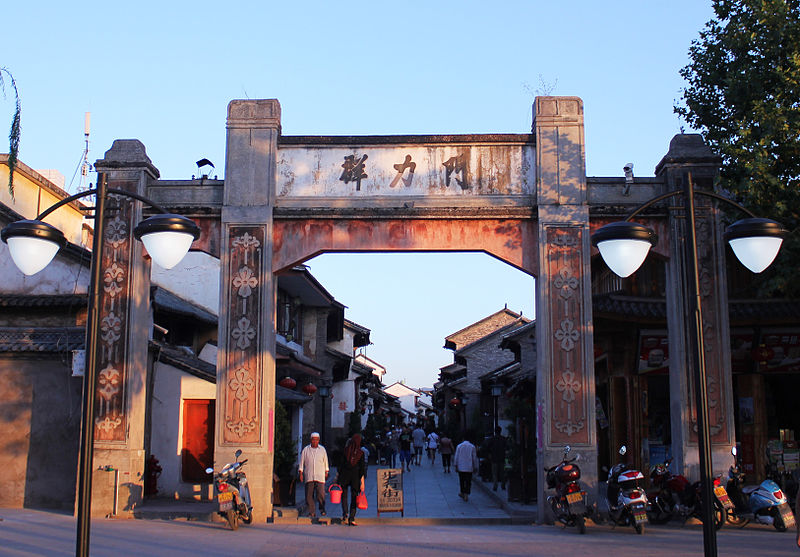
520	198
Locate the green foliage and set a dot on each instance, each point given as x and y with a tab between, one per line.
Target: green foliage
285	448
743	95
15	132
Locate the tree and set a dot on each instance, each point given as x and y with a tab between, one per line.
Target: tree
743	95
14	134
285	456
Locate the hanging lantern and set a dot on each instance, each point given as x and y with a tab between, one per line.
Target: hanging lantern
762	354
288	383
309	388
455	402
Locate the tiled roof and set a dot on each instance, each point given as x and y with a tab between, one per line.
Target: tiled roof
167	301
40	300
482	328
628	306
743	311
42	339
184	361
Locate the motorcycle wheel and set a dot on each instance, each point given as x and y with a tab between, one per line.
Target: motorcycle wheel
720	515
580	522
777	521
639	528
659	512
233	519
737	521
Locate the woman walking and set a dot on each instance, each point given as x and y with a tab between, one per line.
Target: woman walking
446	450
351	473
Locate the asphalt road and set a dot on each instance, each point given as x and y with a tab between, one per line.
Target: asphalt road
26	532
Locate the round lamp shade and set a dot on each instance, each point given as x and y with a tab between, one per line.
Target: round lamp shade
167	238
33	244
755	242
288	383
624	246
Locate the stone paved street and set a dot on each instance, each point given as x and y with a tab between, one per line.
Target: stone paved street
437	523
24	532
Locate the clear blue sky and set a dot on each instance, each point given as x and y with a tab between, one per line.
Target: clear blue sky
164	72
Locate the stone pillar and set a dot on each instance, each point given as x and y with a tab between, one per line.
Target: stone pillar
246	357
120	392
564	334
688	154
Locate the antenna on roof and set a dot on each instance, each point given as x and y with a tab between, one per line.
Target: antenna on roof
85	167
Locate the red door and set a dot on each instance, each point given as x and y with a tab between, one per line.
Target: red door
197	452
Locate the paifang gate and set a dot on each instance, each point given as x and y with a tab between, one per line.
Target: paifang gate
519	197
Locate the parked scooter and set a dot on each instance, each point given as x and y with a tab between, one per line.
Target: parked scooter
627	501
233	493
673	496
765	503
569	503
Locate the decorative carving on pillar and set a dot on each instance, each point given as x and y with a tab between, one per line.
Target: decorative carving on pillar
243	375
110	419
708	264
565	303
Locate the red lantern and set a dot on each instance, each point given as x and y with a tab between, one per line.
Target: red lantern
455	402
763	354
288	383
309	388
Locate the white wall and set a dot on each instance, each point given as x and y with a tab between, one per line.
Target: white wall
342	391
171	387
195	278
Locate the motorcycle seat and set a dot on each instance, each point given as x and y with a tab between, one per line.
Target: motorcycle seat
747	490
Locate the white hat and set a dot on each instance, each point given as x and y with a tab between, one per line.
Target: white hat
315	434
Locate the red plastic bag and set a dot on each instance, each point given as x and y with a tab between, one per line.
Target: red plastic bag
361	501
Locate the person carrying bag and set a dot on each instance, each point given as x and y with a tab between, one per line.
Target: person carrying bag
352	472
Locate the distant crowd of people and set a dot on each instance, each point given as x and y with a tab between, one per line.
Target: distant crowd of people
405	443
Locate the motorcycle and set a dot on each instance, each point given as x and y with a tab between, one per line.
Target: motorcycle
233	493
674	496
627	501
765	503
569	502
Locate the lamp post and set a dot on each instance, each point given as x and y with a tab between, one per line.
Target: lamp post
324	393
33	244
497	390
755	242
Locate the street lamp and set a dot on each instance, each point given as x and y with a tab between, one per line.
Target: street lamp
755	242
497	390
324	393
33	244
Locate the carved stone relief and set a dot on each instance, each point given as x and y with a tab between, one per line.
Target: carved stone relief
242	386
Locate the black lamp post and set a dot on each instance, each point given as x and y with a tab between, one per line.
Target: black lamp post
624	246
497	390
324	393
33	244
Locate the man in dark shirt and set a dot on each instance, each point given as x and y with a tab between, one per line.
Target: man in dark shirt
497	454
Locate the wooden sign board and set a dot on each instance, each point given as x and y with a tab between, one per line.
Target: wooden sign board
390	490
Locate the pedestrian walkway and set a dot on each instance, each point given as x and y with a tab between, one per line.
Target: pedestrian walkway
430	496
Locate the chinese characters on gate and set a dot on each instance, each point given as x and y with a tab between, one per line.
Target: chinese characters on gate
455	168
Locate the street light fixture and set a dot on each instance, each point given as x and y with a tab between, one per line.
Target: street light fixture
497	390
324	393
755	242
33	244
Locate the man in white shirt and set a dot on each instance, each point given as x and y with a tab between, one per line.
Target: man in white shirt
314	471
466	462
